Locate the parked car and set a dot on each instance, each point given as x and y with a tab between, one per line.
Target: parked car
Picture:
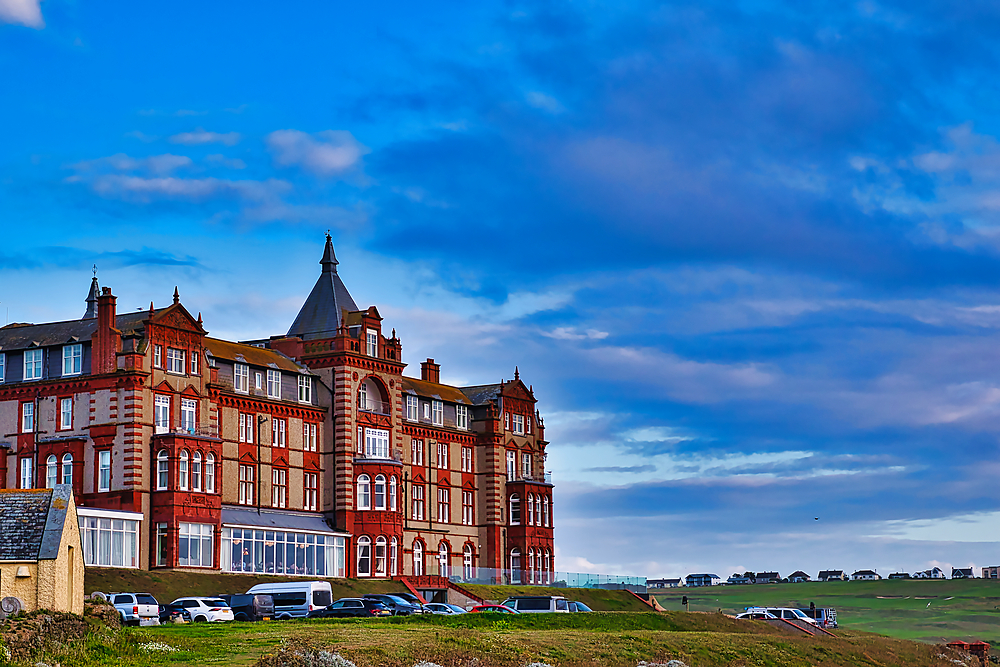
757	616
493	609
352	607
825	617
295	599
203	610
410	597
786	613
247	607
575	605
538	604
174	613
136	608
444	609
397	605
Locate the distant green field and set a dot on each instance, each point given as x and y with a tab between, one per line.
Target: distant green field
924	610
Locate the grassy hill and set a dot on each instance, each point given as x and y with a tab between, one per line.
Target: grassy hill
924	610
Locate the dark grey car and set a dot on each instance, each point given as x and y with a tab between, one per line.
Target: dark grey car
397	605
246	607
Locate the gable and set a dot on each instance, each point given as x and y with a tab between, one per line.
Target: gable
23	514
177	317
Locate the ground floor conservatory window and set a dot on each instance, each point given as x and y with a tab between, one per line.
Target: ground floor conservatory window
282	552
110	542
195	545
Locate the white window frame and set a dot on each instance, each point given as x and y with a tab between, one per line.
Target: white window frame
511	464
162	470
437	413
380	556
444	505
104	471
258	381
526	465
371	343
241	378
67	468
376	443
279	487
158	356
33	360
364	556
65	414
110	538
27	477
204	534
514	510
462	417
308	437
194	362
392	493
279	428
28	417
305	389
182	471
379	493
468	508
176	361
417	452
412	408
161	413
247	488
518	428
467	459
418	559
417	498
310	491
3	365
51	471
196	472
364	492
189	414
210	473
273	383
72	359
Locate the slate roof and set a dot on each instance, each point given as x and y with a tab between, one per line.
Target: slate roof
25	336
251	355
483	393
441	392
23	515
320	315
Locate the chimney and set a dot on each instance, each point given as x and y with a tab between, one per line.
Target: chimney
106	341
430	372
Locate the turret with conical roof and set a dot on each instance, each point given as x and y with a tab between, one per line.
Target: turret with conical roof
320	315
92	300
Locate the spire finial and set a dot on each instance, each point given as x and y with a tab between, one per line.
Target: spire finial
95	270
329	261
177	296
150	306
517	375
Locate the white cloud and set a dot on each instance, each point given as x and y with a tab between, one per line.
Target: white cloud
569	333
136	188
22	12
201	136
155	164
234	163
544	102
326	153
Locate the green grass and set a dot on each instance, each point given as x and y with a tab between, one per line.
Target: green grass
924	610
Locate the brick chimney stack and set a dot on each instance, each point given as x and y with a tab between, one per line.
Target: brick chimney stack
106	341
430	372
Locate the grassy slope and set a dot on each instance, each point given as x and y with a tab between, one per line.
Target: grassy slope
167	586
606	639
958	609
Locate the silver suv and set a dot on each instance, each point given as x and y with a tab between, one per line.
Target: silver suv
136	608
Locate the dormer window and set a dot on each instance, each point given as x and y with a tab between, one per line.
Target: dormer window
241	378
372	343
274	384
437	410
33	364
72	359
462	417
412	413
305	389
175	361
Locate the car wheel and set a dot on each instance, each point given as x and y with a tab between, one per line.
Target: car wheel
200	619
242	617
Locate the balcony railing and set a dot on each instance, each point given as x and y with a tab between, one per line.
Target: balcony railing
374	405
522	477
202	431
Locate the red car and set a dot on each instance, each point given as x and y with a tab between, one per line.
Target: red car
493	609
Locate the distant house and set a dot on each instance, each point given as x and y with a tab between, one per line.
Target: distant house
702	580
992	572
962	573
41	557
899	575
766	578
832	575
933	573
663	583
798	577
739	579
866	575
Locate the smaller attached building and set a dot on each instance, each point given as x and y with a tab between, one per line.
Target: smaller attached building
41	559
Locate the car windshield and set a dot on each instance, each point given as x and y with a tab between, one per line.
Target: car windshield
397	599
582	607
799	613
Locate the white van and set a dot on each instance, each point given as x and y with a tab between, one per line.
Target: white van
538	604
295	599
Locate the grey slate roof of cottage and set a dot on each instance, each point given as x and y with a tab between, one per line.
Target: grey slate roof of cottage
320	315
32	521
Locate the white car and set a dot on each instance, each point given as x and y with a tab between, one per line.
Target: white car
206	609
444	609
786	613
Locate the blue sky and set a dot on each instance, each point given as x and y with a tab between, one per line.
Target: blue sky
747	253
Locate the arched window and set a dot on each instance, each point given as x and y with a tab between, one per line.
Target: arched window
162	470
545	511
380	492
196	472
548	566
380	556
67	468
531	509
444	556
418	559
210	473
393	557
515	566
182	471
538	565
538	510
364	492
515	510
531	566
364	556
392	493
467	573
51	471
